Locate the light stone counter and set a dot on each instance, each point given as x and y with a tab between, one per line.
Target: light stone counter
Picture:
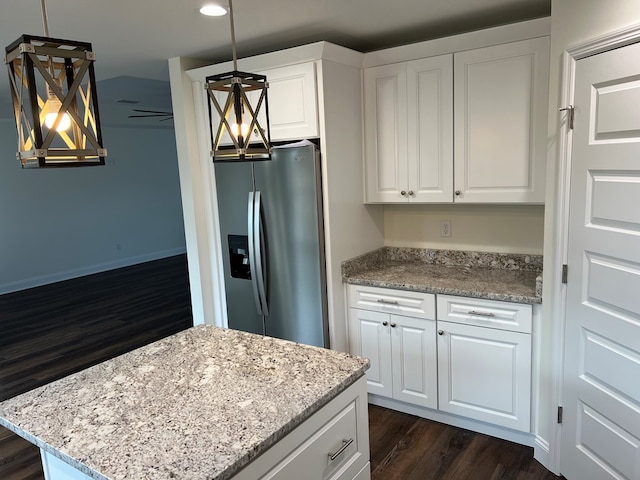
510	278
200	404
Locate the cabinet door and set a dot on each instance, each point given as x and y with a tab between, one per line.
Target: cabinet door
501	103
385	110
369	337
414	360
430	129
485	373
293	107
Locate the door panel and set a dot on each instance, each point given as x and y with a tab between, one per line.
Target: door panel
601	394
369	337
415	371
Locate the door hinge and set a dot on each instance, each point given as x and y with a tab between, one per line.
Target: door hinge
570	109
565	273
560	413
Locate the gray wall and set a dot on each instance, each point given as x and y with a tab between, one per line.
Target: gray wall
62	223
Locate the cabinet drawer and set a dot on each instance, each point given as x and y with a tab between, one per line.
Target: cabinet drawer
400	302
515	317
326	454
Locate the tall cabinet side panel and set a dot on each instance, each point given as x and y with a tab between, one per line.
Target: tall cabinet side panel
351	228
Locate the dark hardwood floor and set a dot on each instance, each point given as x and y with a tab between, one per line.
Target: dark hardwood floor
49	332
52	331
405	447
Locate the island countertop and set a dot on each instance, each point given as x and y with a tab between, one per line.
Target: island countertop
202	403
493	276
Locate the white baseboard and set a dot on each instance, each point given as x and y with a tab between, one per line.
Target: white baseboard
522	438
81	272
542	453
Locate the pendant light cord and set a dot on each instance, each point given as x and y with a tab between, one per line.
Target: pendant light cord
233	36
45	23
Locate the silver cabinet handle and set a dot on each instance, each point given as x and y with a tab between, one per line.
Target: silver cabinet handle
403	193
482	314
393	325
457	192
384	324
440	332
411	193
387	302
345	444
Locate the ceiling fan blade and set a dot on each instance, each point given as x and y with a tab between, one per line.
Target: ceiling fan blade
153	115
152	111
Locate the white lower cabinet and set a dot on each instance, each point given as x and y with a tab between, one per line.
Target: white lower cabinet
485	374
474	362
401	348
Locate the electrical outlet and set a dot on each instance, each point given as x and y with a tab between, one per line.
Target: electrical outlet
445	228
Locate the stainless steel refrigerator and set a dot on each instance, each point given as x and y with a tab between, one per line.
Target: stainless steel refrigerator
273	245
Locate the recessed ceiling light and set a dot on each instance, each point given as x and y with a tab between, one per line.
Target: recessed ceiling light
213	10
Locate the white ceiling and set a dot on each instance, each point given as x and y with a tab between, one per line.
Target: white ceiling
134	38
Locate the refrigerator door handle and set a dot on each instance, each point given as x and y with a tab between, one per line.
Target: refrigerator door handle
260	252
252	257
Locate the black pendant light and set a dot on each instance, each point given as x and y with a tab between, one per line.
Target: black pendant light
53	88
236	101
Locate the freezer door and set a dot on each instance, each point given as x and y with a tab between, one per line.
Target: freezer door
291	198
233	183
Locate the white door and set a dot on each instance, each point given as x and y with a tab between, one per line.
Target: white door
415	371
601	395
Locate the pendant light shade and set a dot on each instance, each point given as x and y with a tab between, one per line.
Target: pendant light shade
53	89
238	113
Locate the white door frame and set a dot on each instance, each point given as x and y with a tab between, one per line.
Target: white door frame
610	41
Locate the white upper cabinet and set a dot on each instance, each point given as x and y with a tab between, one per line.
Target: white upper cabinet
293	109
500	116
492	100
409	131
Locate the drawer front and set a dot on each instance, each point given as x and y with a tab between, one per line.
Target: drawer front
515	317
399	302
328	454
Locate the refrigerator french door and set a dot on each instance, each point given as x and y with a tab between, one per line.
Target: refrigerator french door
273	248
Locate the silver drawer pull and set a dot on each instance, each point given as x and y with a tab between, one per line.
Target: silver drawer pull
345	444
387	302
482	314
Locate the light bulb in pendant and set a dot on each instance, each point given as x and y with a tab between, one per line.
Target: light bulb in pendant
242	129
54	107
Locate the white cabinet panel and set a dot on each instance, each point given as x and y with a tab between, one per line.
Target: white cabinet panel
500	122
414	360
430	129
485	374
385	104
369	337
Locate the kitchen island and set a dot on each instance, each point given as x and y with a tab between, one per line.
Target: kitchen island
206	403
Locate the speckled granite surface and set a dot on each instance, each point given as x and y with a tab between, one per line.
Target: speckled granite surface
200	404
511	278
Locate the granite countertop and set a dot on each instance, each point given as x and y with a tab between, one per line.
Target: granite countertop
200	404
505	277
